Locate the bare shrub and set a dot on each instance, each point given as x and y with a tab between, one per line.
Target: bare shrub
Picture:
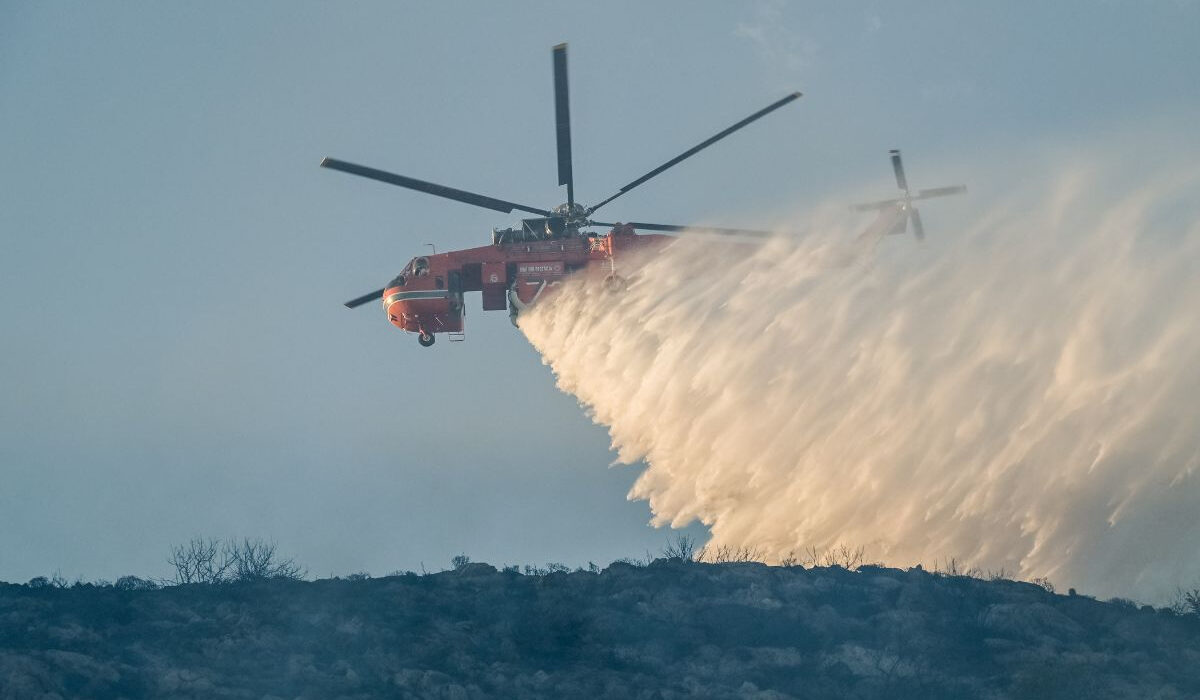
212	561
844	556
1192	600
1186	602
680	548
726	554
256	559
200	560
949	567
134	583
1043	582
459	561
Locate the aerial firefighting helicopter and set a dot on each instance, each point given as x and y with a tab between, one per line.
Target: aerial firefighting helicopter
523	263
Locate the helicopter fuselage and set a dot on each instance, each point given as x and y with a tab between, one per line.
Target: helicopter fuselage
427	296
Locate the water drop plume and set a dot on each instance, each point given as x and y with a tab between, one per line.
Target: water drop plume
1020	392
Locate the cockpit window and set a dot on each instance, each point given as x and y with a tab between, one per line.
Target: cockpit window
421	267
439	283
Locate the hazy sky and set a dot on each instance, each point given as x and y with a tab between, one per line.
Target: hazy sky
174	356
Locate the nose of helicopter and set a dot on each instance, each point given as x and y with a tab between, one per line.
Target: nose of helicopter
397	308
418	309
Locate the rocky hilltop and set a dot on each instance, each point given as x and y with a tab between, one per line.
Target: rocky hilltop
668	629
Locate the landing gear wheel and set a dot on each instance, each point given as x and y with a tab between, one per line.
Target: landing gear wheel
426	339
616	283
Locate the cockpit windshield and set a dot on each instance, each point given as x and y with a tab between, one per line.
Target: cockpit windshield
417	267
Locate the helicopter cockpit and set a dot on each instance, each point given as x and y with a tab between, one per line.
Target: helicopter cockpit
417	267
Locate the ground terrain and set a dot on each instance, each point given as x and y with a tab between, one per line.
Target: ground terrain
668	629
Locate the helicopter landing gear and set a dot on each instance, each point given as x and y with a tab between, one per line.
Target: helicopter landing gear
615	283
426	339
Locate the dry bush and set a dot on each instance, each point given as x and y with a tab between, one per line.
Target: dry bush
680	548
844	556
1043	582
200	560
1186	602
256	559
214	561
134	583
726	554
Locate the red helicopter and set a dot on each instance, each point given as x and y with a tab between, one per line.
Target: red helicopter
523	263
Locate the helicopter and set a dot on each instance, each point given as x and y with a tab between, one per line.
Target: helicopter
525	263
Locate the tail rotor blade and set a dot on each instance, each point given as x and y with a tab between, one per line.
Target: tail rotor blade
940	192
562	121
364	299
917	227
901	181
877	206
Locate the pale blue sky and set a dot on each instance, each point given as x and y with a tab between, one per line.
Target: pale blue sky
174	356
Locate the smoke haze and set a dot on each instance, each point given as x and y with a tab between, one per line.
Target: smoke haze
1021	391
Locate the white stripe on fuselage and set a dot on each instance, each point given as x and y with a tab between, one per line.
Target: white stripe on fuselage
407	296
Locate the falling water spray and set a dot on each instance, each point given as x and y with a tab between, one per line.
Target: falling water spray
1020	392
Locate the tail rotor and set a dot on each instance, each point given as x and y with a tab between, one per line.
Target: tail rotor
902	208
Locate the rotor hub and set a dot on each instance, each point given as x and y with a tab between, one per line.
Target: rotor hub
571	211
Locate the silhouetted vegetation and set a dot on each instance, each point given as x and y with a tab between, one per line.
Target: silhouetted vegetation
669	627
1187	601
214	561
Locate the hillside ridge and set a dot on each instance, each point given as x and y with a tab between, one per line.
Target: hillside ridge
666	629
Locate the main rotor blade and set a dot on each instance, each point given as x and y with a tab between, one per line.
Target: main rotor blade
692	229
359	301
562	121
918	227
940	191
429	187
699	147
901	181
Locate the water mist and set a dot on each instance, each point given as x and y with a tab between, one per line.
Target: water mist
1021	391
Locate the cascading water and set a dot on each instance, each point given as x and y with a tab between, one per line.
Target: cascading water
1022	391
